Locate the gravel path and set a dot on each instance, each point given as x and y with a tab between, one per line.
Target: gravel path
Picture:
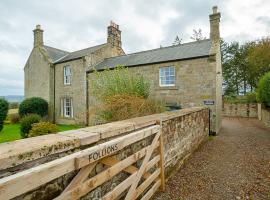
233	165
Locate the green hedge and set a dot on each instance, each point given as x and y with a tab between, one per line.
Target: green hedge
33	105
263	90
3	112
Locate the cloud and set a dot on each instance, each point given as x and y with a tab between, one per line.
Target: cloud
76	24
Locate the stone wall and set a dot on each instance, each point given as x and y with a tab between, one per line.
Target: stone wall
240	110
183	131
265	116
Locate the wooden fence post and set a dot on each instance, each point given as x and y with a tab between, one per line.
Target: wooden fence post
161	153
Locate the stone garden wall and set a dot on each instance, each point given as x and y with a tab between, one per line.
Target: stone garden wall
183	131
265	116
239	110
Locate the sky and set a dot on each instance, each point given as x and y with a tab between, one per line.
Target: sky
145	24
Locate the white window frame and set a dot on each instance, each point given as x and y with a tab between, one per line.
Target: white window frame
162	75
67	77
67	107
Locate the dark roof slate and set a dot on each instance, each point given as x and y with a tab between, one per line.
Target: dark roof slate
177	52
54	53
79	53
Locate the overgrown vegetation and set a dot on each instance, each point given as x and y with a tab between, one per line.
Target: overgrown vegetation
263	91
33	105
122	95
108	83
120	107
42	128
3	112
249	97
27	122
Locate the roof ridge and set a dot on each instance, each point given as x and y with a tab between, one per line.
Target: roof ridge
88	48
171	46
56	48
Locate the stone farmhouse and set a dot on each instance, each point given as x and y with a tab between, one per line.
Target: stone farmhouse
187	75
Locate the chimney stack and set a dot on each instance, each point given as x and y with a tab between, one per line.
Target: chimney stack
38	36
114	35
214	24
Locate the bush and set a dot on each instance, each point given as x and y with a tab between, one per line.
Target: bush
263	90
120	80
247	98
42	128
251	97
34	105
120	107
3	112
26	124
14	118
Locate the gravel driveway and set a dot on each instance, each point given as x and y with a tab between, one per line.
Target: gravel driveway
233	165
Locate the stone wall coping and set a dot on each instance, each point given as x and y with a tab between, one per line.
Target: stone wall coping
25	150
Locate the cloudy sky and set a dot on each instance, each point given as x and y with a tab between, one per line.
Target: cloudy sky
145	24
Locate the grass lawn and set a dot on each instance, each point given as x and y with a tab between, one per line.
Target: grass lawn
11	132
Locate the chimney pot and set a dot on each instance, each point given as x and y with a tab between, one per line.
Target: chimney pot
215	9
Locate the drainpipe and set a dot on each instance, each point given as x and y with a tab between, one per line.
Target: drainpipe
209	120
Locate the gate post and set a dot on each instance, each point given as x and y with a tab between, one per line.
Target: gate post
161	153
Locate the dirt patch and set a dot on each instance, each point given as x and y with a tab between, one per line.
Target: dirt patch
233	165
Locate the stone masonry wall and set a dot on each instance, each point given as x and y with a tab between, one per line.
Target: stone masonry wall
266	116
183	131
240	110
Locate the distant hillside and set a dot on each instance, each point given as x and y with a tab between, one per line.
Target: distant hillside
13	98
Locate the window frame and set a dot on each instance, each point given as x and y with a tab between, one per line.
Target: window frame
67	109
166	76
67	78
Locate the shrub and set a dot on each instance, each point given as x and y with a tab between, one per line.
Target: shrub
34	105
14	118
251	97
26	124
42	128
120	107
120	80
263	90
3	112
247	98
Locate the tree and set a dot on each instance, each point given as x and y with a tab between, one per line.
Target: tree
3	112
258	59
177	41
197	35
236	75
263	91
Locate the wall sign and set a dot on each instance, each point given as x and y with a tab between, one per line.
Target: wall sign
209	102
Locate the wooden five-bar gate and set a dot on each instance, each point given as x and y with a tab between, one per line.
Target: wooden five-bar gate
143	181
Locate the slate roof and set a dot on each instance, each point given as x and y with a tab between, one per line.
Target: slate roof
54	53
177	52
79	53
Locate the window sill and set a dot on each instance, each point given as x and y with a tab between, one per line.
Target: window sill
167	88
68	118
